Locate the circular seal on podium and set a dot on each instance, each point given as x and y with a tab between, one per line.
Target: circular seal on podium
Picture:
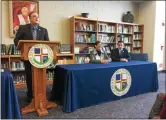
40	55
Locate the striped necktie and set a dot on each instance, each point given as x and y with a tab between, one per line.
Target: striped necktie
34	33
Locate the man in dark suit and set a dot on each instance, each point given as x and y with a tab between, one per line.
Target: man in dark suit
120	53
31	31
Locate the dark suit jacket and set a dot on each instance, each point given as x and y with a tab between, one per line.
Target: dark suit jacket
116	57
25	33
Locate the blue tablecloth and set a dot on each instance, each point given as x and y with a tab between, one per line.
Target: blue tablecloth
9	102
82	85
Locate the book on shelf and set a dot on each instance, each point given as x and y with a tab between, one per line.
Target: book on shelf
81	26
106	49
17	66
137	44
13	50
80	59
137	29
137	36
124	29
85	38
50	75
90	49
20	78
128	48
4	65
104	38
112	47
3	49
106	28
64	48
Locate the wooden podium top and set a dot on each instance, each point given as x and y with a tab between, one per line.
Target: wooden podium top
25	45
35	41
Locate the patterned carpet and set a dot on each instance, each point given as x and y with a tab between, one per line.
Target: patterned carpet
132	107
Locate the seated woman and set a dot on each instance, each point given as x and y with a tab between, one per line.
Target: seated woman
98	55
158	110
120	53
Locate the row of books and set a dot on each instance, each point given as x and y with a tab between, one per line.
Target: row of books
85	38
106	28
128	48
80	59
112	47
106	49
9	50
137	36
17	66
125	39
84	26
137	29
3	49
19	78
137	44
4	65
105	38
64	48
124	29
50	75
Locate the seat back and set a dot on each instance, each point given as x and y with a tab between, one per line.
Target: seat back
139	56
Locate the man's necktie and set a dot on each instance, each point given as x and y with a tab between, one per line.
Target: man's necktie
121	53
34	33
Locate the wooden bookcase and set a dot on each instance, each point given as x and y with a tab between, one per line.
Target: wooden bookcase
109	33
7	59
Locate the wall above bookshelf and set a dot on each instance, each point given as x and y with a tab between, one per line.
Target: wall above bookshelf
107	32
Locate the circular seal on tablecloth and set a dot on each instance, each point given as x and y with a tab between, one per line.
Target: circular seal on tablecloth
120	82
40	55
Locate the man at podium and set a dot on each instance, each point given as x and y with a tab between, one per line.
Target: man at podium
31	31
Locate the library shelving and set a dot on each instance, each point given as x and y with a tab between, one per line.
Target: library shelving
84	32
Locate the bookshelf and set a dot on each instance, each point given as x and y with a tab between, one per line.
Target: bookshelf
138	37
84	32
11	59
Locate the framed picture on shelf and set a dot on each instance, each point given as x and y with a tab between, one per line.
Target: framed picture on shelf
19	14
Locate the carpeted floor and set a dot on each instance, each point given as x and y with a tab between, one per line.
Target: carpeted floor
131	107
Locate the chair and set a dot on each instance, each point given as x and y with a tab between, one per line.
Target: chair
139	56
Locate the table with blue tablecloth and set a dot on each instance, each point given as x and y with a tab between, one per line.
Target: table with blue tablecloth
82	85
9	102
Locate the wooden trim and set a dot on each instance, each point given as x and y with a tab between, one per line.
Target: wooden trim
14	56
82	18
20	85
58	54
4	56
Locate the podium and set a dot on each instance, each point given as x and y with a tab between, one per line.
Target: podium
39	102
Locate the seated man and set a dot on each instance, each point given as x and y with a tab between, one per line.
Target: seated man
159	107
98	55
120	53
